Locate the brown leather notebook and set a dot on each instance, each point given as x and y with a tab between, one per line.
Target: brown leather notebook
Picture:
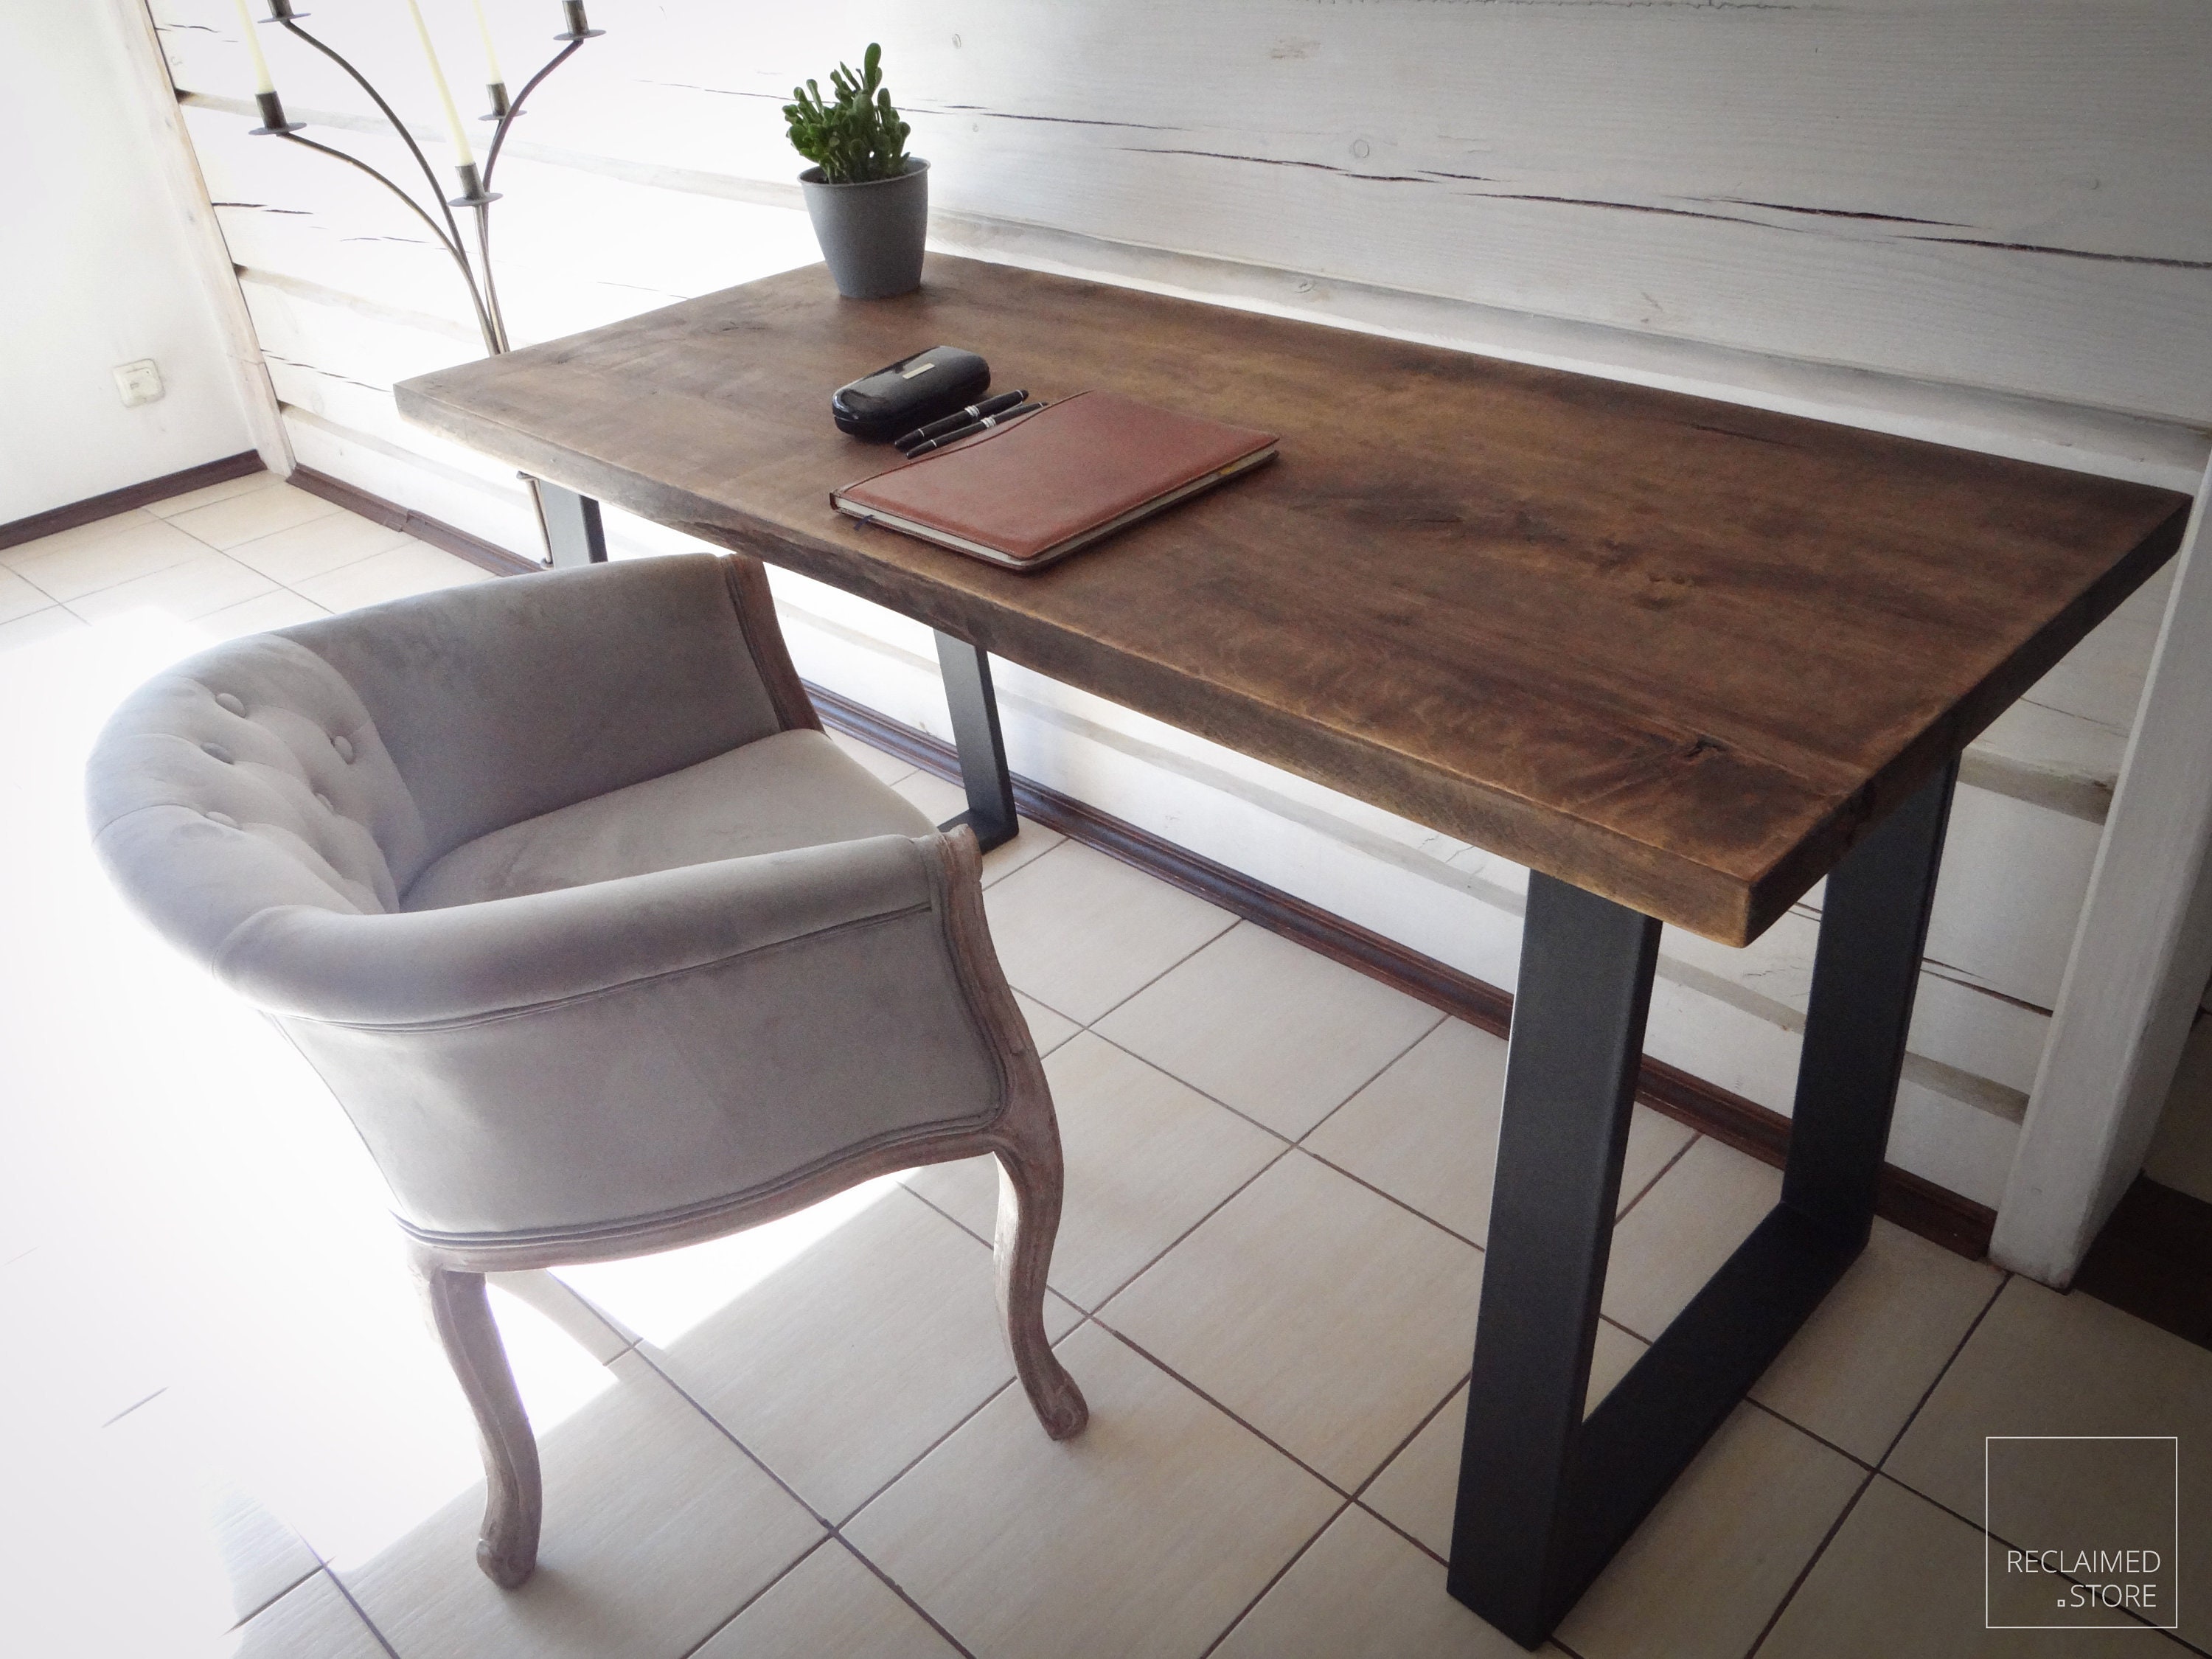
1039	488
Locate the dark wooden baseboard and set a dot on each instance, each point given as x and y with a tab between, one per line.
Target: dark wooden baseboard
56	519
436	532
1918	1205
2154	1260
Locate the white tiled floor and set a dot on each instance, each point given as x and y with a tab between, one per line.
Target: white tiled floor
228	1431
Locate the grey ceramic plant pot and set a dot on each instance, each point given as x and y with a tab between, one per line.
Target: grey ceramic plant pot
871	233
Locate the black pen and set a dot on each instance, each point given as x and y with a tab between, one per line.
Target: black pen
967	416
972	429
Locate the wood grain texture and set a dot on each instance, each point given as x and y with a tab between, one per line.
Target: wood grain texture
1920	1206
514	1498
756	609
1676	652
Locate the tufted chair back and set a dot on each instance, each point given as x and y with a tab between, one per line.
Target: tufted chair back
327	765
600	941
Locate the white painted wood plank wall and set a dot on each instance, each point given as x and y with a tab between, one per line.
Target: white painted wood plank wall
1990	223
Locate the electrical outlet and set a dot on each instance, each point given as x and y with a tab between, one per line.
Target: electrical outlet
139	382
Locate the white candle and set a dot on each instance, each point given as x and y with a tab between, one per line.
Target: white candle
261	80
492	77
463	156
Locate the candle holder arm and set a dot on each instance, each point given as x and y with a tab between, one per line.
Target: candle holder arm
491	286
437	193
514	104
483	318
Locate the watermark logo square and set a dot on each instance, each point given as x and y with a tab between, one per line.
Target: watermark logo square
2081	1532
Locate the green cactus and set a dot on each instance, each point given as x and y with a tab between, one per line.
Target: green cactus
856	139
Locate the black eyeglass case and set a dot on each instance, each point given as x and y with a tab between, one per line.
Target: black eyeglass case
911	392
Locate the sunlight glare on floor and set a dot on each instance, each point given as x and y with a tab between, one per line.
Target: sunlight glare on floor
659	1297
242	1258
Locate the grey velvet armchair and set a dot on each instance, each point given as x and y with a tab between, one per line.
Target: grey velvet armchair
600	942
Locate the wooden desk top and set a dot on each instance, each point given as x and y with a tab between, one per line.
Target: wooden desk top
1680	652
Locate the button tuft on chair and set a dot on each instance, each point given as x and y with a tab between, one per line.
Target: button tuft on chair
223	818
227	700
343	744
328	806
218	752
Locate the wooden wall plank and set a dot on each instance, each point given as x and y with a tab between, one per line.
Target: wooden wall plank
2004	194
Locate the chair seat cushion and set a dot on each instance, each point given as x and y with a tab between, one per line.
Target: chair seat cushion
794	789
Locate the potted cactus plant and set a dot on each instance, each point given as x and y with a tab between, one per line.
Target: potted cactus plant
868	198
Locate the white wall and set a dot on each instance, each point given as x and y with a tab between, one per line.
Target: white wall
99	270
1985	221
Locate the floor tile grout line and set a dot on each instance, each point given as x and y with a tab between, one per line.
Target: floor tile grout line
965	1418
836	1528
903	1594
233	551
242	1622
1375	1075
1154	1066
1295	1145
1797	1583
1282	1573
716	1423
9	555
332	509
40	611
1357	1179
1665	1168
274	586
1987	1535
1942	1371
1814	1435
1233	923
777	1578
1604	1318
1369	1508
1221	1406
964	1226
832	1530
1171	1245
134	1406
105	586
360	1612
1397	1451
1032	995
1866	1485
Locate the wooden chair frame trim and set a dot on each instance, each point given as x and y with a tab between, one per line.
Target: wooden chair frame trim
1023	1135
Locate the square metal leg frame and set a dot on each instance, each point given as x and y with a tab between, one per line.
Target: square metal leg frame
574	537
1546	1497
974	710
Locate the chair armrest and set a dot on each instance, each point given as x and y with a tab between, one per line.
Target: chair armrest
566	1063
427	967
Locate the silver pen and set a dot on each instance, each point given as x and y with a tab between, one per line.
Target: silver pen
972	429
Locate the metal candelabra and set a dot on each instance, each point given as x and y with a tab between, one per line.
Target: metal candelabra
475	191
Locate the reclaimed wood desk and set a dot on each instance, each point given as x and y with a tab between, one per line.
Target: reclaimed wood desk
1680	658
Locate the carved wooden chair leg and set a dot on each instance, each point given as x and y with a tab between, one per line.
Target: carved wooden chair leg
507	1548
1030	1179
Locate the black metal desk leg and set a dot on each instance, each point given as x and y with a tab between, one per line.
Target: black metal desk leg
1546	1498
974	710
1578	1038
573	535
1873	924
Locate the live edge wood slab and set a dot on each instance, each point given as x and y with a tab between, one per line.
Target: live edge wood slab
1679	652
